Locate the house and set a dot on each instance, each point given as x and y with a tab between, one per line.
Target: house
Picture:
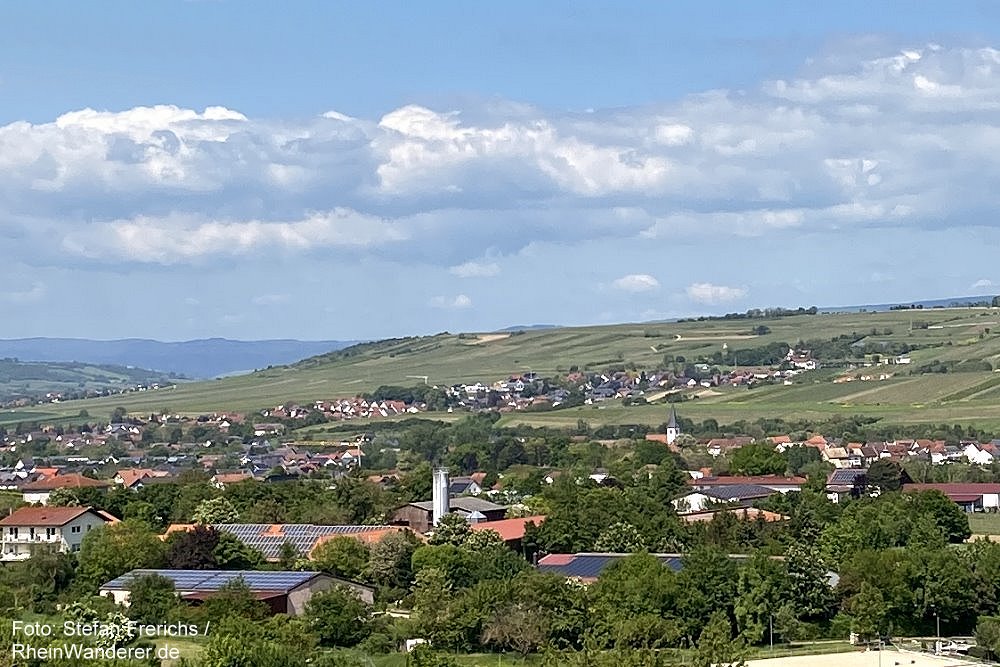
38	491
742	495
511	531
60	527
777	483
846	483
977	455
223	479
419	516
284	592
270	538
464	486
971	497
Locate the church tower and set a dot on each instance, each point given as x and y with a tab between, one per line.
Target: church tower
673	430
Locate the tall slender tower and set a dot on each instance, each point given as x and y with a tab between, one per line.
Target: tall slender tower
440	500
673	430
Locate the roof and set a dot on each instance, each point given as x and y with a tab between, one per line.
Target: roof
847	477
509	529
672	422
268	538
956	489
464	504
745	513
205	581
738	492
591	565
760	480
70	481
47	516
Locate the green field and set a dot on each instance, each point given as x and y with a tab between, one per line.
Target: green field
984	523
956	335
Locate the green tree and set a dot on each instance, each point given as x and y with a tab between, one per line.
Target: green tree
146	512
389	563
868	610
235	599
112	550
620	537
716	647
214	511
988	634
885	475
757	458
341	556
232	554
338	617
152	599
193	549
451	529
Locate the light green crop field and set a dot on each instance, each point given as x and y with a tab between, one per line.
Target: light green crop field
955	335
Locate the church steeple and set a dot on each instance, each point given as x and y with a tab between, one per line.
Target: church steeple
673	429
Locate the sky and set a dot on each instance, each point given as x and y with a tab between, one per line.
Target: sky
343	170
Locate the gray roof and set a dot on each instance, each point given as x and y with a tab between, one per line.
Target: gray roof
739	492
463	504
205	581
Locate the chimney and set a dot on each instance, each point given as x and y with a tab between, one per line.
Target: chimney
440	498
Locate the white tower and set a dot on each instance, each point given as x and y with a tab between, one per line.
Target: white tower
673	430
439	496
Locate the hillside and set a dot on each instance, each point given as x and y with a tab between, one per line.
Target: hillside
31	381
203	359
955	340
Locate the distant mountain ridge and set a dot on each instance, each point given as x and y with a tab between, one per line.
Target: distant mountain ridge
197	359
955	301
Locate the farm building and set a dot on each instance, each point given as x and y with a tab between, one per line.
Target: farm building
971	497
284	592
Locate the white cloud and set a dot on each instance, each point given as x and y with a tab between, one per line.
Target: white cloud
453	303
636	282
475	270
904	139
270	299
708	293
984	283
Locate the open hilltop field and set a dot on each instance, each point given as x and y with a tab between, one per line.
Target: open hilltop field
965	340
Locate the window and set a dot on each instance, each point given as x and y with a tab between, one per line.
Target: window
12	531
50	532
75	529
75	547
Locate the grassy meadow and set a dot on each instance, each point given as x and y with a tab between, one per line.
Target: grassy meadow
946	335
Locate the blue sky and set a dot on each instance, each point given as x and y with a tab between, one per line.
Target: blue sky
355	170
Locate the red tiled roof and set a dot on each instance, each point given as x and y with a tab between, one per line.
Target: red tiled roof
70	481
43	516
509	529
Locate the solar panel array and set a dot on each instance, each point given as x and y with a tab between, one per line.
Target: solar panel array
590	566
846	476
206	581
269	538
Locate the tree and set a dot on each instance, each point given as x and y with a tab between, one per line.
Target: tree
193	549
338	617
146	512
232	554
287	556
869	611
716	647
114	549
757	458
885	475
390	563
945	514
235	599
516	626
620	537
988	634
341	556
152	599
215	510
64	497
451	529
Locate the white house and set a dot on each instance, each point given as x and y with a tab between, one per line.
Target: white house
976	455
39	490
59	527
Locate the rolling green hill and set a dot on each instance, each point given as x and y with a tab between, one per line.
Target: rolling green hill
29	381
952	339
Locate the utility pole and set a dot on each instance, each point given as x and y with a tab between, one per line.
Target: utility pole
770	626
937	641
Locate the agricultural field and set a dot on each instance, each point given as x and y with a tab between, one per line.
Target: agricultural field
940	335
